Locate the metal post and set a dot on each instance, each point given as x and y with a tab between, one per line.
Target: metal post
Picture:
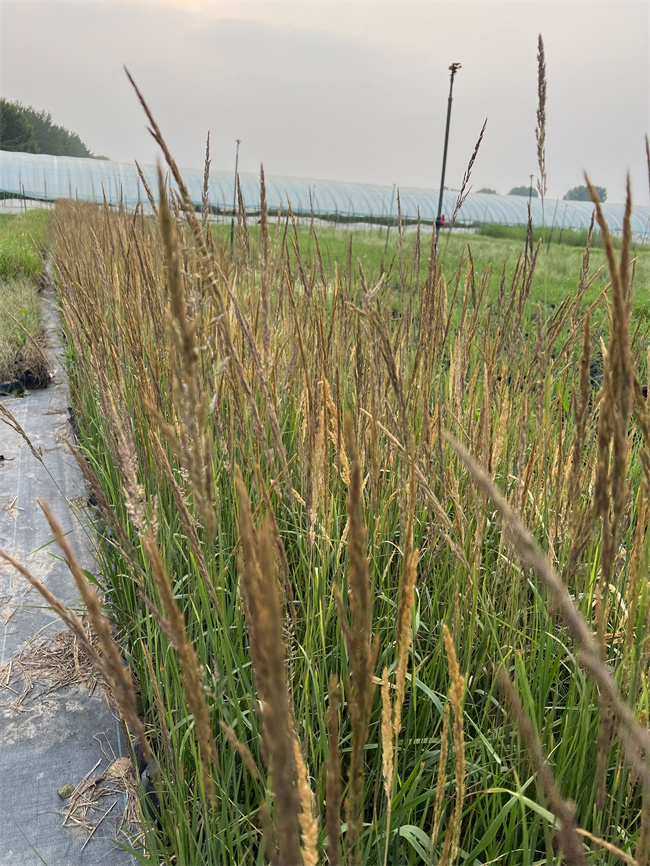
234	204
453	69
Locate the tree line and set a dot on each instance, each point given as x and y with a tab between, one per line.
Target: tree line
26	130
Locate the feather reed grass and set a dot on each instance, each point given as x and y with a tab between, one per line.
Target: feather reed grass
540	129
333	776
362	650
264	620
329	378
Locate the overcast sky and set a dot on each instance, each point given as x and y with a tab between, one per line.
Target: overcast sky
353	90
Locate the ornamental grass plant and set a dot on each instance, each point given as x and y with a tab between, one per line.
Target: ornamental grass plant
375	549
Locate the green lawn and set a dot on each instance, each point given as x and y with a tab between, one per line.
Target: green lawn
557	271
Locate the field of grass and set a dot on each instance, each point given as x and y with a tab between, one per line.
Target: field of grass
555	272
550	234
328	610
23	239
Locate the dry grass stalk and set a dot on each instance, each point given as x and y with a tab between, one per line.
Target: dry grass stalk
242	750
391	720
580	521
333	776
205	197
387	755
308	823
387	740
611	489
445	856
377	319
214	278
127	460
120	537
281	554
361	650
110	663
464	188
7	418
456	694
441	782
265	280
429	495
564	810
265	628
147	188
69	617
642	852
405	607
188	398
191	674
607	846
185	517
635	739
540	130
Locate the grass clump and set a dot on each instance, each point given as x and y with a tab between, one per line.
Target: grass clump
23	241
21	331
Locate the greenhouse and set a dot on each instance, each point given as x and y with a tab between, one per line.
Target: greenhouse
46	178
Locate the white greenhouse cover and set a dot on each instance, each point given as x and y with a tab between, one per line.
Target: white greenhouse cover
47	178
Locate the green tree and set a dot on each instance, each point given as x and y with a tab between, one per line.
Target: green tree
22	128
581	193
16	132
52	138
525	191
488	191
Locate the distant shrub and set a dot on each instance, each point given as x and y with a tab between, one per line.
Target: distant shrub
581	193
525	191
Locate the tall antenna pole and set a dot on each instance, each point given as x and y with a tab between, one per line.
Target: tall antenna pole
234	204
439	221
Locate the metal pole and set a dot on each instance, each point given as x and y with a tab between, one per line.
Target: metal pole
453	69
390	217
234	204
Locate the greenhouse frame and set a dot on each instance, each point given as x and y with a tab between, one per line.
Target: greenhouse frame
45	178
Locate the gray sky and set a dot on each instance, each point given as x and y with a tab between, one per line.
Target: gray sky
352	90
